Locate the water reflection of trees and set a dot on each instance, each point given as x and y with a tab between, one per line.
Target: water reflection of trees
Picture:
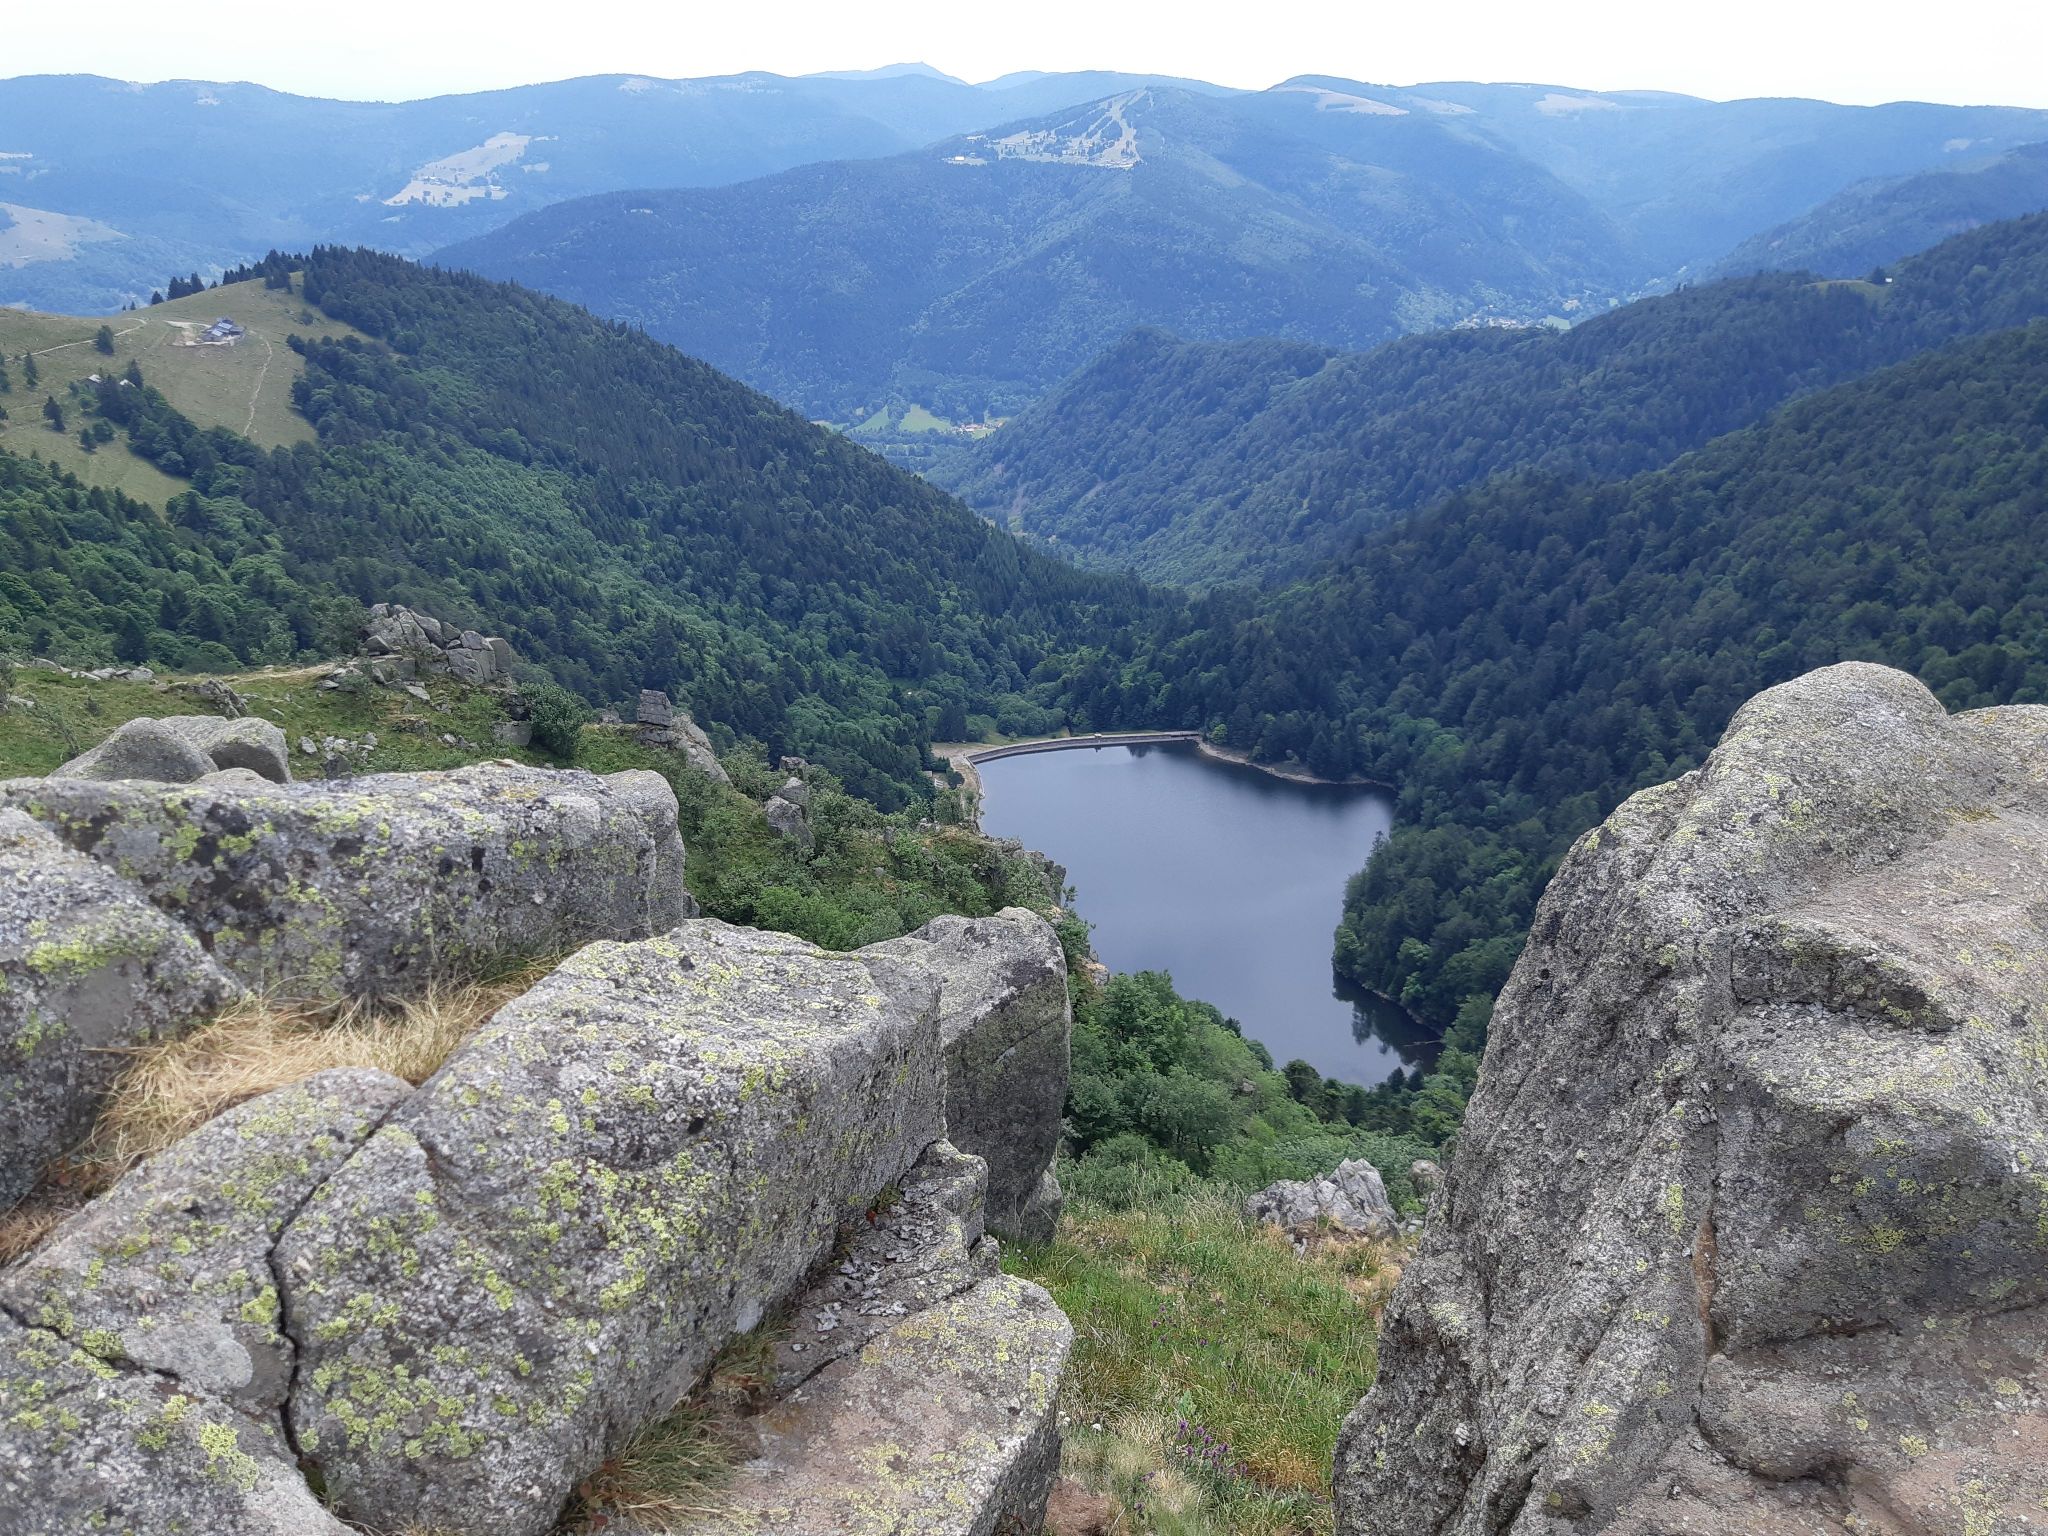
1379	1019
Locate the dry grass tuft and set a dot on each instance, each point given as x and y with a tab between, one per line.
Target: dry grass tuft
22	1228
669	1476
172	1089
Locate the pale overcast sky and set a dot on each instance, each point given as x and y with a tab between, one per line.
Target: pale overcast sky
1976	51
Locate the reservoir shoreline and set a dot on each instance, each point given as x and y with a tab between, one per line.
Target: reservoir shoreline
1231	882
964	758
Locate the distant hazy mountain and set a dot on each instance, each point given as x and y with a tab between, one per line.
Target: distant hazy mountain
1691	179
1877	222
974	274
1211	462
106	187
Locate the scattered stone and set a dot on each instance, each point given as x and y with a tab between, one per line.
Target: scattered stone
1426	1176
789	821
170	1271
140	749
245	743
926	1247
217	696
790	764
1350	1202
655	708
1775	1265
87	968
513	733
1004	1011
417	692
307	746
623	1169
945	1425
797	793
405	644
386	884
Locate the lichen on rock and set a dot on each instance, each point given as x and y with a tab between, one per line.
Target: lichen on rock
1747	1228
87	969
549	1244
384	885
1007	1022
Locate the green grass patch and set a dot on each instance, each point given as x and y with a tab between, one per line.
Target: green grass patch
246	388
918	419
1212	1367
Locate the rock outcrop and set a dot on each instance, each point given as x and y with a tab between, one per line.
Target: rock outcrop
626	1167
87	968
383	885
446	1307
1349	1202
1747	1229
396	635
787	819
661	724
946	1422
1007	1022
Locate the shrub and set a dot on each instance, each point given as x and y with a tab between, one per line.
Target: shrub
558	717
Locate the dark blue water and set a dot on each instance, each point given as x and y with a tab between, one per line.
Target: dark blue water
1230	879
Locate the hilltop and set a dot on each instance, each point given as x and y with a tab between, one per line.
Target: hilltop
971	275
243	387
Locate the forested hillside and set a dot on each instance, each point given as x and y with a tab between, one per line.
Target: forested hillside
1877	222
974	274
1524	655
1202	463
627	516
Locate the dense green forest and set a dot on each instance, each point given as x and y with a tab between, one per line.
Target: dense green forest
626	516
1209	462
1523	656
1515	659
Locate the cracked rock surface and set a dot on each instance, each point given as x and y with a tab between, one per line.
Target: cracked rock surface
1747	1230
927	1247
945	1424
1008	1023
383	885
548	1244
143	1369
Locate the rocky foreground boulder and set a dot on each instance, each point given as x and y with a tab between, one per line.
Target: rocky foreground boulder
355	1304
88	968
631	1164
1747	1230
1007	1021
383	885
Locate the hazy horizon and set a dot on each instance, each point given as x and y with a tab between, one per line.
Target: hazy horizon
1986	52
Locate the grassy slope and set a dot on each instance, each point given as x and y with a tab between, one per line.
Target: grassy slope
246	388
1212	1366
